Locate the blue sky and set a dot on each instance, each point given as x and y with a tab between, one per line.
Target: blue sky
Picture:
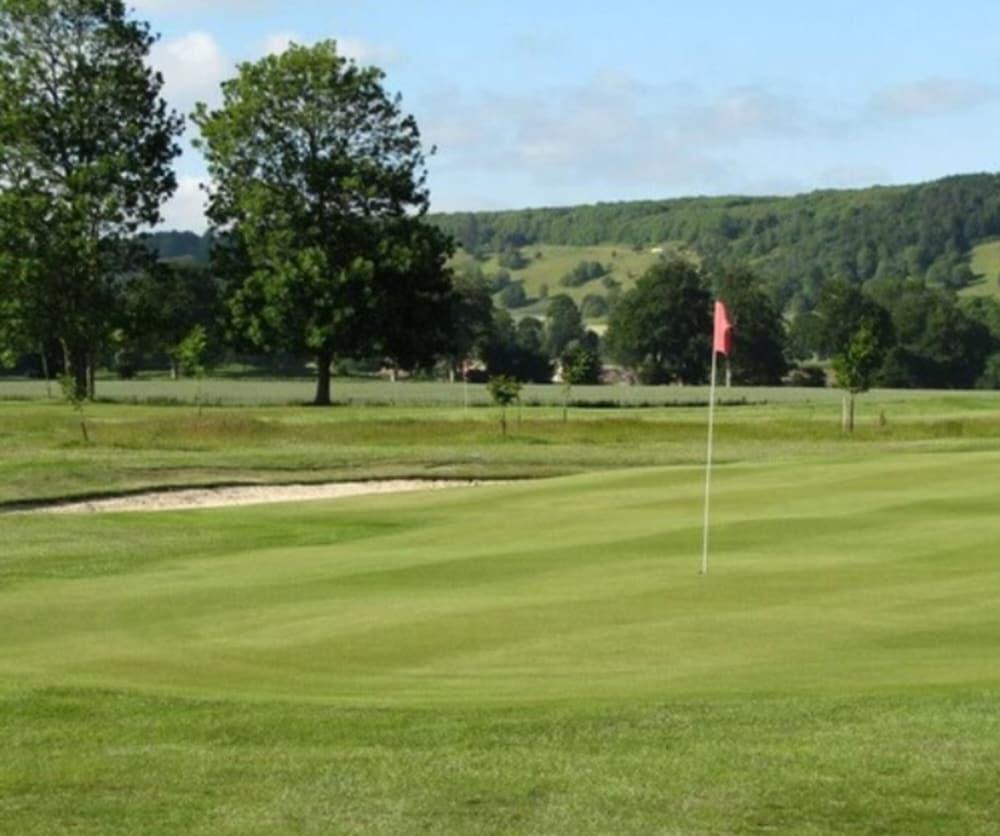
555	102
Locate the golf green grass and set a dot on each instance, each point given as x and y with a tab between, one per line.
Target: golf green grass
530	657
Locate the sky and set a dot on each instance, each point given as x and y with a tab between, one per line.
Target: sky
553	102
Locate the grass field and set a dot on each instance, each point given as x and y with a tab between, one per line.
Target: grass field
374	392
539	656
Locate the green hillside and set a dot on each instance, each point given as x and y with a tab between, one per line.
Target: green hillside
549	264
797	243
945	232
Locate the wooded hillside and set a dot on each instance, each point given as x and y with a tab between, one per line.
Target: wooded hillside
795	243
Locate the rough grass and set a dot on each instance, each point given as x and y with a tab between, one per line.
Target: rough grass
42	454
360	393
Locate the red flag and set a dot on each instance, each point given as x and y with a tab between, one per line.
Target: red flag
723	330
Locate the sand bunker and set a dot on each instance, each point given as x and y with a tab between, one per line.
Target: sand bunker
176	500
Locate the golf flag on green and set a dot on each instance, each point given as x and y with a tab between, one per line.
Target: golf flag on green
722	343
723	330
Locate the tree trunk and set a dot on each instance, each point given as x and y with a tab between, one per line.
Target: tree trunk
91	374
323	360
847	413
78	369
45	371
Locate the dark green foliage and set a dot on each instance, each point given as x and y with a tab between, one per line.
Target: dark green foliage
563	324
513	259
938	345
986	311
317	199
594	306
990	378
759	340
842	311
662	327
180	246
804	336
472	318
499	280
516	351
513	295
414	297
164	303
86	146
796	244
585	271
581	361
807	377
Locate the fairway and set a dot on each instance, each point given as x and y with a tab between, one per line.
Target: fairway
537	656
830	578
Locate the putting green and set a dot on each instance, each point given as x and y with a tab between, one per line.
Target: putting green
856	575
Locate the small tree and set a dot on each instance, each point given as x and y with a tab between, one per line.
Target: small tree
504	390
856	367
190	355
75	398
581	364
856	332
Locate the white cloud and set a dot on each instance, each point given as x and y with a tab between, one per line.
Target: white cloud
611	131
193	66
930	97
185	210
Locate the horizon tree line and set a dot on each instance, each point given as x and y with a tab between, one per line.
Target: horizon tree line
320	245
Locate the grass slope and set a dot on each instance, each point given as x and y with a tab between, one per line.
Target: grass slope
533	657
549	263
985	263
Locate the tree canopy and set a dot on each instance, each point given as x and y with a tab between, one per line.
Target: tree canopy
318	189
796	244
662	327
86	147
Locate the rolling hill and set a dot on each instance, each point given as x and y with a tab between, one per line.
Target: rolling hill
944	231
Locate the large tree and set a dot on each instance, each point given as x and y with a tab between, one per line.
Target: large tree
86	146
318	190
662	327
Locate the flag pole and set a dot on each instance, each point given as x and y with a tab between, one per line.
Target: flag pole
708	460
